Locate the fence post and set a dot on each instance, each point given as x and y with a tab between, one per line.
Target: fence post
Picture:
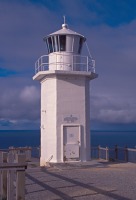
107	153
4	176
99	152
28	154
1	182
20	181
126	153
10	177
116	152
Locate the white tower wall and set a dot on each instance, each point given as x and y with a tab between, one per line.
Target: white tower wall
48	119
64	61
72	102
64	107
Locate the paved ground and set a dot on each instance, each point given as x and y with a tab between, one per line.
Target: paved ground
94	180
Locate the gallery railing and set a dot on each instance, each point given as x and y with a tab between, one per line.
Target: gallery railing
12	176
75	62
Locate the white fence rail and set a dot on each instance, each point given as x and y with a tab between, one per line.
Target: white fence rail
12	176
21	150
114	154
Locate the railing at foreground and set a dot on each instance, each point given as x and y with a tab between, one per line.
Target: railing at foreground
110	154
12	171
12	176
21	150
114	154
85	63
28	151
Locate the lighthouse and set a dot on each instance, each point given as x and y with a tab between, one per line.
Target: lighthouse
65	76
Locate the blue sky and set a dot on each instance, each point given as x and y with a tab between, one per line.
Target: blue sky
110	29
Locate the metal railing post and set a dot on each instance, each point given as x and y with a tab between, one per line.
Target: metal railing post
87	64
107	153
99	152
72	62
38	65
116	152
35	67
126	153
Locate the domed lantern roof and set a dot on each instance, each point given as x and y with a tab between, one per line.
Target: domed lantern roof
65	30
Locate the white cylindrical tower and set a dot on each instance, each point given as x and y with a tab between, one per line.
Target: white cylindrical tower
64	48
65	75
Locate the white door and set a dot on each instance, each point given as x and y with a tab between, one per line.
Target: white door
71	143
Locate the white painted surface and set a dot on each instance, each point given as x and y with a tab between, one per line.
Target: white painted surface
43	74
71	142
71	152
65	107
64	102
63	31
48	119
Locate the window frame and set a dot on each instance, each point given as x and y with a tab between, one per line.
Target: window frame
62	42
80	45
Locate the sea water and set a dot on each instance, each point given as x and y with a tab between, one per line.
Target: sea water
19	138
112	138
22	138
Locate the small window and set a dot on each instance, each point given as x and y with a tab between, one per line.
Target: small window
50	45
57	42
80	45
53	44
47	45
62	39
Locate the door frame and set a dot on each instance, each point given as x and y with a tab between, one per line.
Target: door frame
62	138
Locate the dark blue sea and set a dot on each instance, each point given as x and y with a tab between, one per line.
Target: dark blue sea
112	138
21	138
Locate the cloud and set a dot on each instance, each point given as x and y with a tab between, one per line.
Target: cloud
5	123
30	94
113	93
113	110
24	24
19	102
19	124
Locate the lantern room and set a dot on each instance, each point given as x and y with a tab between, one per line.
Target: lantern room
64	40
64	49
